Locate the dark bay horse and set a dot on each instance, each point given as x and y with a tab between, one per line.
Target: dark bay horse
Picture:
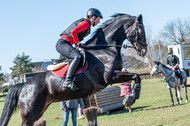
172	81
104	65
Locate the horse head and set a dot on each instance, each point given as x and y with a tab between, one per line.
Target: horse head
136	35
155	68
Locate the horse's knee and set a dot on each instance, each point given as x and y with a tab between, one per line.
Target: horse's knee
137	78
26	123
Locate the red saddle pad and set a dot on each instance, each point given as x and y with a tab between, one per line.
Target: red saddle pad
61	72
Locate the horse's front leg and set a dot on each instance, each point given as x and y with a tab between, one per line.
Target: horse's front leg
135	93
176	95
179	88
185	88
120	77
171	95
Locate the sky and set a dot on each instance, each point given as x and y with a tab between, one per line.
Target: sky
33	26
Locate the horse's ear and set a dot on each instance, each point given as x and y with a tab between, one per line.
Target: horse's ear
140	19
155	62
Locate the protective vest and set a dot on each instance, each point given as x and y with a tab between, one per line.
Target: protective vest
82	34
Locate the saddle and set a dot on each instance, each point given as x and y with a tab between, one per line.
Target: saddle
60	66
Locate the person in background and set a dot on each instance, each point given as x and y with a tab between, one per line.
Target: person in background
173	63
126	88
71	106
81	116
75	33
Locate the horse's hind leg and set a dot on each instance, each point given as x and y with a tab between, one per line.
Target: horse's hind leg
179	88
32	115
33	111
185	88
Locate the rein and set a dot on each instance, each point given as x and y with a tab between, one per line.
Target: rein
117	46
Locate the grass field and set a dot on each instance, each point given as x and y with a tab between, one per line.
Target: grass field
153	108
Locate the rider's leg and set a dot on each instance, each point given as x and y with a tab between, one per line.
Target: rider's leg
68	83
66	49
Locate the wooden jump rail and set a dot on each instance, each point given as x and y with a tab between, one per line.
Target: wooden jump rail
144	74
2	95
148	74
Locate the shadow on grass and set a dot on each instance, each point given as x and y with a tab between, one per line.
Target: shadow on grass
122	110
142	109
139	108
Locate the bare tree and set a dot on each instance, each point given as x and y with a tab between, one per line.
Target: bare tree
176	31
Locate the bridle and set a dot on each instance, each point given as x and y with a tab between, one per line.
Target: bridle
135	36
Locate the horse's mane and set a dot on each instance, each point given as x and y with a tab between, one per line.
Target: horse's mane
108	22
164	66
114	18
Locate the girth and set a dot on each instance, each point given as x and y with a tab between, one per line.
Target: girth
97	87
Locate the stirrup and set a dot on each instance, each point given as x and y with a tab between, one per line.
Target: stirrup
70	84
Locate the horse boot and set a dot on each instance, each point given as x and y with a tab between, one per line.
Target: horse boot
128	100
69	83
135	93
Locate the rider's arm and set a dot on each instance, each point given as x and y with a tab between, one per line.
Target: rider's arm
177	60
80	102
63	104
167	63
84	25
175	66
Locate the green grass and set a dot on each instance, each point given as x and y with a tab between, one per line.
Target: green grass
152	108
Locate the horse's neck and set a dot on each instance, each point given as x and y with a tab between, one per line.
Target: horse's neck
164	70
111	35
110	38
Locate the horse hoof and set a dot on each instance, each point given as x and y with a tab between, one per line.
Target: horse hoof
186	101
172	104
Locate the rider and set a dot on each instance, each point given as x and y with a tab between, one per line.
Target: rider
73	35
173	63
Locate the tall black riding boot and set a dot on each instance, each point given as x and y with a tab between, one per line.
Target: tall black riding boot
69	83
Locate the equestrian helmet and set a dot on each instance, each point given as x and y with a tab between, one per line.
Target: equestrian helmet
94	12
170	51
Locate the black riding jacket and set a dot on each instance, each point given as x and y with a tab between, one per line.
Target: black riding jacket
172	61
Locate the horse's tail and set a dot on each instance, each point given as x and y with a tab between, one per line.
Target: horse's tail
187	72
10	104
